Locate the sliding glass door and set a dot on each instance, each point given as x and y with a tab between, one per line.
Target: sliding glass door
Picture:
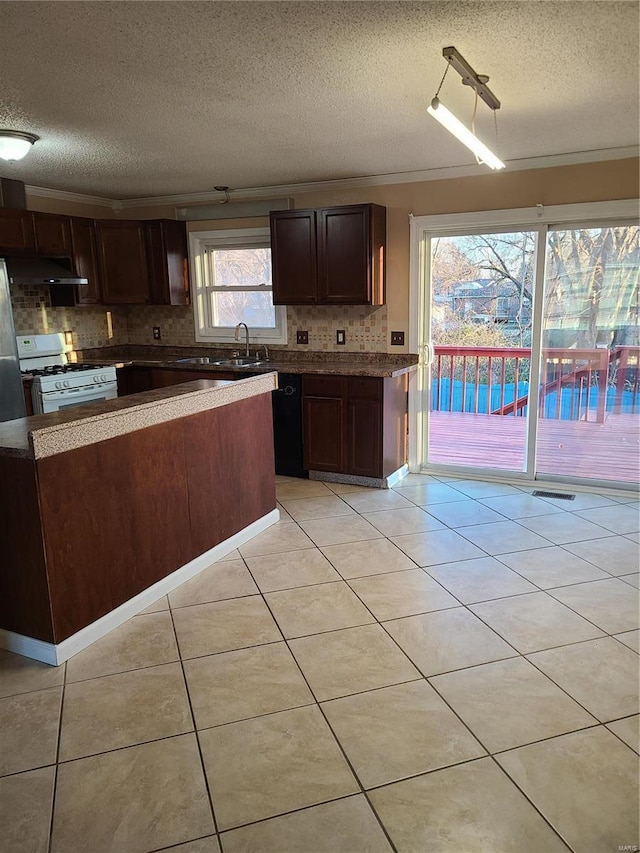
480	324
589	412
531	346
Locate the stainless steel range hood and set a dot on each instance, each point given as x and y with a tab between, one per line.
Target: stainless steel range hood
41	271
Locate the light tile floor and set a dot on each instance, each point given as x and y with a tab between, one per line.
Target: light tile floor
442	667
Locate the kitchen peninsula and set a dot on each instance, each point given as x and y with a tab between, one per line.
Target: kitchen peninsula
109	506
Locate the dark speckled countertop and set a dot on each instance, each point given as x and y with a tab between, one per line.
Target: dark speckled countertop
282	361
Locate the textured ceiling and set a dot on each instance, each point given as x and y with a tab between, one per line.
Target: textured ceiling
136	99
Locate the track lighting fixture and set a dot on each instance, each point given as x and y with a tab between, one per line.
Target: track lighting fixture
478	83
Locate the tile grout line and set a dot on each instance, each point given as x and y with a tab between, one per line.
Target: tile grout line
318	705
57	759
463	722
193	720
453	711
314	546
518	654
531	802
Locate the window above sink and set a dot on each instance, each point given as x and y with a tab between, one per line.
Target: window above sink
231	278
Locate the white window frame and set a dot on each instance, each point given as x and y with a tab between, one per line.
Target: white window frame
541	218
244	238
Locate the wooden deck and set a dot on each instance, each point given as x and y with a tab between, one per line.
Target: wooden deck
607	451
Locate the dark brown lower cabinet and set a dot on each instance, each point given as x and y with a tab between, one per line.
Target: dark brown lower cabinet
162	377
355	425
133	379
28	401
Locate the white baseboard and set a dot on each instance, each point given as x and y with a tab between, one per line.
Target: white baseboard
398	475
56	654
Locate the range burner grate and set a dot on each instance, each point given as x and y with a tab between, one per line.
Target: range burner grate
58	369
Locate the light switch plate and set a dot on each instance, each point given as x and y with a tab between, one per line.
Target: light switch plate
397	339
302	337
156	333
340	336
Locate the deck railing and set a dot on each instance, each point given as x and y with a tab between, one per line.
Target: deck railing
576	384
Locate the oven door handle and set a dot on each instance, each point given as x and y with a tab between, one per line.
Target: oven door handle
51	401
81	393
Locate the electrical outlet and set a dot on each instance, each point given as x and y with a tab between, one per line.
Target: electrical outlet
156	333
340	336
302	337
397	339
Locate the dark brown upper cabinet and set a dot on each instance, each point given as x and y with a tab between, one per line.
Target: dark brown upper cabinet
167	257
16	230
126	262
84	251
52	233
294	260
122	261
329	256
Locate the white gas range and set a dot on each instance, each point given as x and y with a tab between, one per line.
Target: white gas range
58	383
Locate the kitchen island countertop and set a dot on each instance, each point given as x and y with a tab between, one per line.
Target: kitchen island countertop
45	435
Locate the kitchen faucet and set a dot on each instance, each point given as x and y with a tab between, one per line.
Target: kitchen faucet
246	332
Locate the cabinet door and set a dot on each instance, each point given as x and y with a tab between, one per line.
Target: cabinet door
323	418
293	257
364	433
351	254
167	253
122	259
364	427
16	230
85	259
53	234
28	400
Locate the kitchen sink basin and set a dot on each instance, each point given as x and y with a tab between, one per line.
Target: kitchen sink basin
240	361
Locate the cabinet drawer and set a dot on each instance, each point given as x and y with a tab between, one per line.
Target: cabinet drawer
322	386
364	388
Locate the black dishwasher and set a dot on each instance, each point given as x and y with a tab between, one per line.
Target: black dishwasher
287	425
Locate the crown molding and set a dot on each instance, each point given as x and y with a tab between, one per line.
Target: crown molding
77	198
446	173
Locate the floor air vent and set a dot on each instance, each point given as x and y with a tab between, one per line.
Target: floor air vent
560	495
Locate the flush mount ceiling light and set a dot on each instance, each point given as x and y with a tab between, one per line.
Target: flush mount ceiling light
14	144
478	83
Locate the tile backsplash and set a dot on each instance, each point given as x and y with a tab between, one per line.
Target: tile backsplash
92	326
176	325
365	327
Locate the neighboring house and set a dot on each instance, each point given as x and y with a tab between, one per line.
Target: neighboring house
488	301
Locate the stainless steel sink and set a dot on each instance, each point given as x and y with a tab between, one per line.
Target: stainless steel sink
240	361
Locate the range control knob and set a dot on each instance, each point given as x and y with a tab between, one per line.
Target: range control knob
58	384
103	378
66	383
96	378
